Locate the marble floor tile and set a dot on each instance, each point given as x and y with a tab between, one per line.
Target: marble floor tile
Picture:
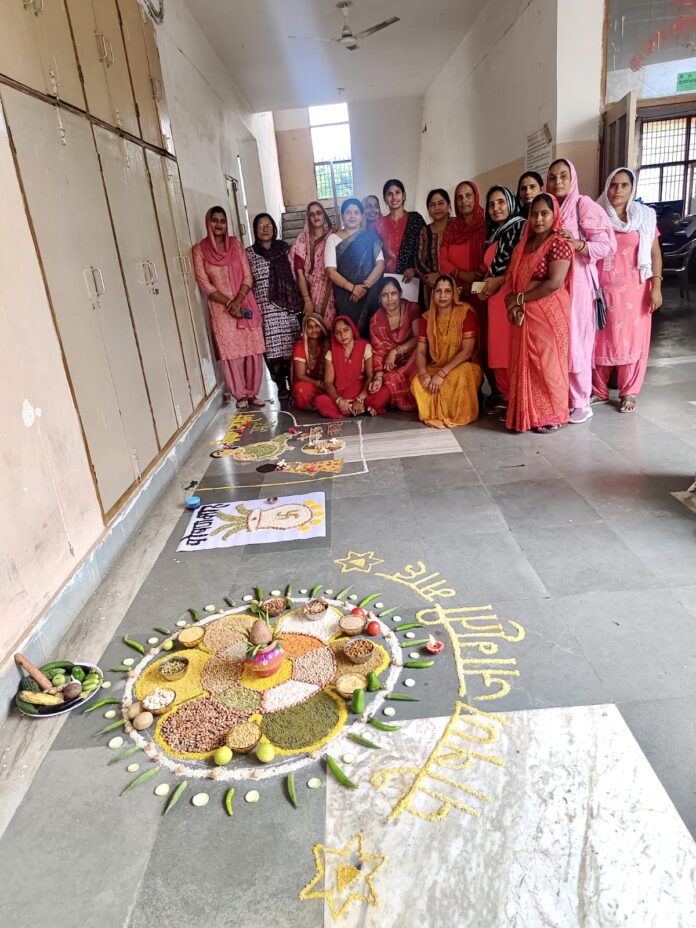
542	503
568	826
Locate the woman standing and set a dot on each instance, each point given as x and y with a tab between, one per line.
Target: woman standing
348	374
464	240
632	285
399	232
372	210
307	258
539	307
354	262
223	274
308	361
446	386
586	226
394	336
277	294
505	227
529	185
430	240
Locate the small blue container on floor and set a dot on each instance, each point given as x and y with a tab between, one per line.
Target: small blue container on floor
193	502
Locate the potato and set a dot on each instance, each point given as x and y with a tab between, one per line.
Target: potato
71	691
143	720
134	710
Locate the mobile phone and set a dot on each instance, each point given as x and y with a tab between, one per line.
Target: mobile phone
477	286
247	314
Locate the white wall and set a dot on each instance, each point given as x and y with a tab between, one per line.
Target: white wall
499	86
211	120
385	141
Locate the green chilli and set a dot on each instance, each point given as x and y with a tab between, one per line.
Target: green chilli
288	591
124	755
228	800
403	697
121	669
175	796
386	612
382	726
405	628
365	742
315	590
344	592
134	644
162	631
230	602
194	613
141	779
418	665
292	792
339	774
112	726
110	701
416	643
368	600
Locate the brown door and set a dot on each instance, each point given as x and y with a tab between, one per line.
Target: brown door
132	210
619	142
60	175
176	269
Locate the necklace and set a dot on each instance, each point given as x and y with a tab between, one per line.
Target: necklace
389	318
439	328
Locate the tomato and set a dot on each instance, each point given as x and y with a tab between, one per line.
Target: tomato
358	611
373	628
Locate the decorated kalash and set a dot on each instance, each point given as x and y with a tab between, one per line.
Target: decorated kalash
258	690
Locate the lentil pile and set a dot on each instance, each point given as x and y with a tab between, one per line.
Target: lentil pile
376	662
317	666
301	727
198	727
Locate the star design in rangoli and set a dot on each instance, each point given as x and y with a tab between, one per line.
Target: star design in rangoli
346	875
362	563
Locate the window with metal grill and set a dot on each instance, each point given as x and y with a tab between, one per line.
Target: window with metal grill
668	160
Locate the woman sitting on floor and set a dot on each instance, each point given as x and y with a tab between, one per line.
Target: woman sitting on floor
394	336
347	375
449	376
308	361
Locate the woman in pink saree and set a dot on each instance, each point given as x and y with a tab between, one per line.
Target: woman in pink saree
586	226
307	260
223	274
538	304
394	337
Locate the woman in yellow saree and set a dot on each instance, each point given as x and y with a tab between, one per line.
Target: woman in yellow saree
446	386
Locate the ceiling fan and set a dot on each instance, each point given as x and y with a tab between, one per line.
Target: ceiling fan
349	39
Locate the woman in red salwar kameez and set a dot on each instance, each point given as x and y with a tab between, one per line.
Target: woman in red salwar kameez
394	336
348	374
539	306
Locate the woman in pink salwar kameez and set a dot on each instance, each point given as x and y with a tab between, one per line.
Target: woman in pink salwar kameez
632	284
587	227
223	274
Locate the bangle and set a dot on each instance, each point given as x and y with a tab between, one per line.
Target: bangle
352	289
519	301
228	304
657	277
308	299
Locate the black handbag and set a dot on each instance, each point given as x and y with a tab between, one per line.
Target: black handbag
599	302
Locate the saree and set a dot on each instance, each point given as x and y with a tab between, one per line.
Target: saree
356	257
428	258
384	339
457	401
307	255
400	240
538	371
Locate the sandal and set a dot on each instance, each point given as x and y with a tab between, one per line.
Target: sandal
628	404
242	404
545	429
255	401
596	400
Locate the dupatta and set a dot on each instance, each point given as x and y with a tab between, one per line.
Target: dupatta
576	205
383	338
459	232
506	233
523	266
445	341
282	288
348	371
639	218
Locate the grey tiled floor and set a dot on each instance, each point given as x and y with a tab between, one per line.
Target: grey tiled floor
574	535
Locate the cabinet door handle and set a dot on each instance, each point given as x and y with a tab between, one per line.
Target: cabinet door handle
102	53
147	279
99	287
38	6
109	51
189	265
154	278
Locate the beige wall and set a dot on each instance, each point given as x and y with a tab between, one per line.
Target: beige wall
296	161
48	505
385	141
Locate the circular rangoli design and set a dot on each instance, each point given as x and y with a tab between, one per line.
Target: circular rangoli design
297	706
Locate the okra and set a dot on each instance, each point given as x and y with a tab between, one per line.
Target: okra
112	726
315	590
230	602
162	631
344	592
228	800
339	774
292	792
418	665
382	726
405	628
368	600
386	612
124	754
416	643
194	613
403	697
365	742
110	701
141	779
134	644
175	796
121	669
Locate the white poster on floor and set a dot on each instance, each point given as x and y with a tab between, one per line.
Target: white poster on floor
255	522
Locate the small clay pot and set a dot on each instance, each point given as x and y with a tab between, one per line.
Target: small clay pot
267	661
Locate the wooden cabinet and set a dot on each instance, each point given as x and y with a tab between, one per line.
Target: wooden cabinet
36	48
102	55
132	210
178	264
146	74
60	174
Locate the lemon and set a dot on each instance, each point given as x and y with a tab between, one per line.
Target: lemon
223	756
265	752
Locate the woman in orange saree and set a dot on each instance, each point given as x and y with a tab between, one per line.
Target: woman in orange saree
449	375
538	305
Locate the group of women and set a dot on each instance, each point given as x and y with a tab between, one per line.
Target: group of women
543	292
